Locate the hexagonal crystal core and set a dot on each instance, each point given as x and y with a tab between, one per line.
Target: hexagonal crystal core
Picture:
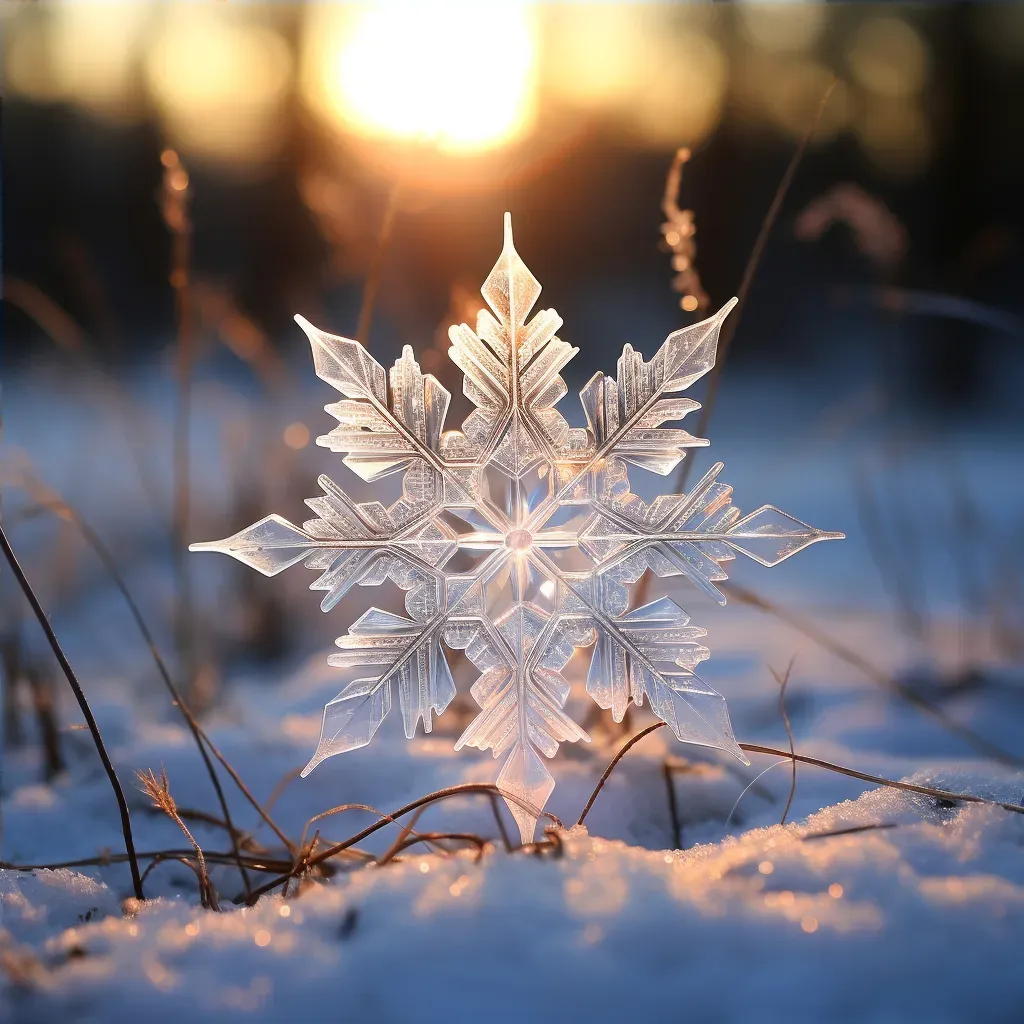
519	540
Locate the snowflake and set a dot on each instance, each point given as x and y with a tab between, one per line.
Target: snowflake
517	538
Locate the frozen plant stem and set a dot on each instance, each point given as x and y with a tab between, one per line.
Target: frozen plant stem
783	682
159	791
376	265
749	273
37	608
858	661
55	504
174	206
755	748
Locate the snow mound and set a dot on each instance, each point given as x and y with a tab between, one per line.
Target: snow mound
781	922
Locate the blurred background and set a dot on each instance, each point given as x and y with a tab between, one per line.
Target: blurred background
179	179
293	123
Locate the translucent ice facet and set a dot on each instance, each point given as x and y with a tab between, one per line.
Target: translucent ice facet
555	535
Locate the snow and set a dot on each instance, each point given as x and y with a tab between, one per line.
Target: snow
770	924
615	928
752	920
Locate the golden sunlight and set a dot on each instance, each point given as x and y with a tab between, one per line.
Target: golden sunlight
219	80
79	52
459	76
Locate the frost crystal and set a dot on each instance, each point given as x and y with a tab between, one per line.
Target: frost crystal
517	538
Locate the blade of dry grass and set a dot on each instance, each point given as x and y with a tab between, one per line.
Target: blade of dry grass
441	794
756	748
377	264
611	767
52	502
858	661
159	791
783	682
174	207
673	806
749	273
83	703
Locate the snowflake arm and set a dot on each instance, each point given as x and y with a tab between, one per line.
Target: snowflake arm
689	534
522	694
536	499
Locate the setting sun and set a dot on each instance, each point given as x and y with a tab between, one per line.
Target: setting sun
461	77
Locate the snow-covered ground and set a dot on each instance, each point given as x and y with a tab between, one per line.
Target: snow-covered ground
916	920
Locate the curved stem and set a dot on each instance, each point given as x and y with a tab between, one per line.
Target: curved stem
83	703
750	272
611	767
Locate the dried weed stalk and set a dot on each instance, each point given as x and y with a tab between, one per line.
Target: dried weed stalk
159	791
679	233
83	703
174	200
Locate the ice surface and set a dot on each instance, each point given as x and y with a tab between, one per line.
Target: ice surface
513	470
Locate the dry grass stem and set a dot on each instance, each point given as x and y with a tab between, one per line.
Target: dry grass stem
755	748
377	264
52	502
159	791
783	682
441	794
83	703
174	200
673	805
611	767
43	311
854	658
749	273
852	830
679	232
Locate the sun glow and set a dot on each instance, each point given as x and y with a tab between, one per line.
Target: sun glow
456	75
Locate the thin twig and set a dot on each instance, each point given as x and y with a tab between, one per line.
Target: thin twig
437	837
502	831
853	830
749	273
611	767
376	265
399	844
53	503
756	748
83	703
783	681
939	794
205	818
340	809
244	789
441	794
41	309
49	500
197	869
673	806
301	861
46	719
174	206
854	658
225	857
286	780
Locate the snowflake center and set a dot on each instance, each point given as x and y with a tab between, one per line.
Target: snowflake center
519	540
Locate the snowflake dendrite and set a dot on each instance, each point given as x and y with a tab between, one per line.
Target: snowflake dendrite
517	538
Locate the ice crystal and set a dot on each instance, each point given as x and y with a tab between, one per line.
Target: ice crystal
517	538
